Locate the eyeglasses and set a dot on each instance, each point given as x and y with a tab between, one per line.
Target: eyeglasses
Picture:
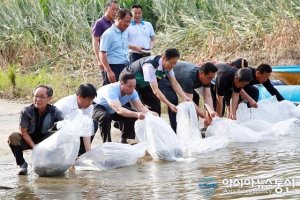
40	97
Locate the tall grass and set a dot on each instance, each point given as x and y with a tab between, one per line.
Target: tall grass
205	29
56	35
52	35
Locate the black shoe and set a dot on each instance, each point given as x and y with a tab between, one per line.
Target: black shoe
123	141
116	125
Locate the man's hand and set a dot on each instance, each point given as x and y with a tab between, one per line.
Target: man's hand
214	114
173	107
253	104
141	115
111	76
232	116
207	121
138	49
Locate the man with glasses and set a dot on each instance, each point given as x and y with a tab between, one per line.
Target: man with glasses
101	25
114	47
192	77
156	82
35	122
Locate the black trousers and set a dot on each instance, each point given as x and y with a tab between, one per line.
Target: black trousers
150	99
116	68
104	119
136	56
18	145
226	99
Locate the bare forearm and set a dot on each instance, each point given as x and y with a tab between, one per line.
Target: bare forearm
245	95
152	43
209	102
87	143
177	88
127	113
28	139
161	97
219	107
135	48
234	104
96	49
104	61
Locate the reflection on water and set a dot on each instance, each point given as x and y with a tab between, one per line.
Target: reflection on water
263	161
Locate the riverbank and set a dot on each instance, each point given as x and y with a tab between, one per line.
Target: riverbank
9	122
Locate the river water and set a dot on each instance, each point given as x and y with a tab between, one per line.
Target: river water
262	170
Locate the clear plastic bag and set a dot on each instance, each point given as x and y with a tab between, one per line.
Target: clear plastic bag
162	142
54	155
269	110
188	130
110	155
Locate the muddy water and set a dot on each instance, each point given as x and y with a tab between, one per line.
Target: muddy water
263	170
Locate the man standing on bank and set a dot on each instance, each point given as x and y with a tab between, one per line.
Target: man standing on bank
140	35
35	122
156	82
100	26
114	47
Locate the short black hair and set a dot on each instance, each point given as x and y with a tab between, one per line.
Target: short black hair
137	6
264	68
208	67
86	90
124	77
171	53
123	13
244	75
240	63
109	2
49	89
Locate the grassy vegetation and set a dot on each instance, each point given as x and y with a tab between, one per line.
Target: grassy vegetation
49	41
262	31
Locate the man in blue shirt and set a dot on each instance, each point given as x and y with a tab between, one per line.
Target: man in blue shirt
114	47
110	103
101	25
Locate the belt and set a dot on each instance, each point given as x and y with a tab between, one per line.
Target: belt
141	54
118	65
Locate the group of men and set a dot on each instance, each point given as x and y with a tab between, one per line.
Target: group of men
132	88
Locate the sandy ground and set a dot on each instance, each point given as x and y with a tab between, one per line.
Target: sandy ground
9	122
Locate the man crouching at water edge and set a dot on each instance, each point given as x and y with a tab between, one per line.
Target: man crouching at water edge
229	84
191	78
156	82
35	122
82	100
109	106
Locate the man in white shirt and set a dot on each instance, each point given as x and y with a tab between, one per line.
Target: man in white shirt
110	103
156	82
140	35
82	100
